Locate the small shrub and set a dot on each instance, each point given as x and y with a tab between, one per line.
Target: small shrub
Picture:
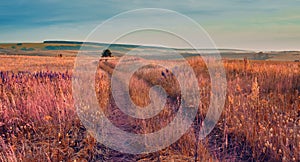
106	53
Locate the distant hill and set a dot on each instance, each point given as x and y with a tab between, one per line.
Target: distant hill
71	48
97	44
139	46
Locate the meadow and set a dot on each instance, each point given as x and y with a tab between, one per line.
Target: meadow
260	120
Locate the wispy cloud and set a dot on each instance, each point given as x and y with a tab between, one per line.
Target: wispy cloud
21	19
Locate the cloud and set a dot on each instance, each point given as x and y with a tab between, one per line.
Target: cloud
72	19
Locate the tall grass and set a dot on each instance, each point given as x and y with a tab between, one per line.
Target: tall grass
260	120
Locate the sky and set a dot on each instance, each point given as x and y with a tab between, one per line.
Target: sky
238	24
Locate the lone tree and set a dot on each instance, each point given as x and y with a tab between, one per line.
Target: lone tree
106	53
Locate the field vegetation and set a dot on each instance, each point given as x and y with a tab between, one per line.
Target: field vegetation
38	121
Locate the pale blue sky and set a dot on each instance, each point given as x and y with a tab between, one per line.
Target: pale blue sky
244	24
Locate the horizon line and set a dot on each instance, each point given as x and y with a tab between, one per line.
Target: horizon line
148	45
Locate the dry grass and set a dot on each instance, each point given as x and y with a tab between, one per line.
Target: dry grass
36	63
260	120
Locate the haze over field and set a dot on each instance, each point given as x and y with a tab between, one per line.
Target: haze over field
71	48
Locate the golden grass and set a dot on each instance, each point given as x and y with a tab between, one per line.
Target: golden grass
36	63
260	120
